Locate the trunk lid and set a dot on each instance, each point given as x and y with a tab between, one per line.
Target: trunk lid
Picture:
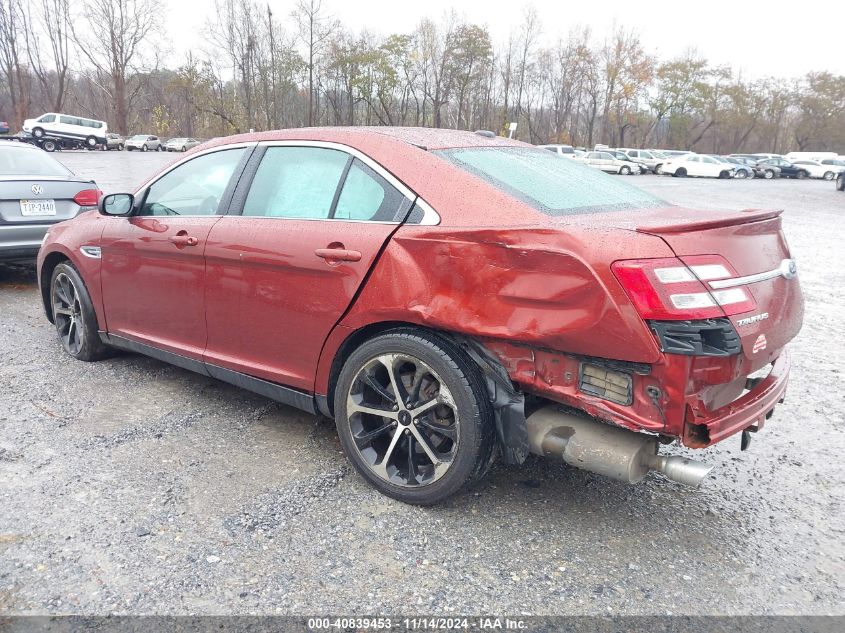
752	241
61	190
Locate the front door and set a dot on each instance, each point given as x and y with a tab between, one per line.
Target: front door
282	274
153	268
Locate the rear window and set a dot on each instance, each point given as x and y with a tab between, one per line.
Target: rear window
551	184
23	161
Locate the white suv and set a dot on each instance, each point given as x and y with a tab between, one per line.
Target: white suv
144	143
89	131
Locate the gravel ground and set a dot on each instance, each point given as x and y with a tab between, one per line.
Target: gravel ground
130	486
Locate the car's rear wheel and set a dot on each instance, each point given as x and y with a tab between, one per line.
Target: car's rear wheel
724	174
73	315
91	141
768	174
413	416
840	182
828	175
624	170
158	148
184	149
680	172
120	147
742	174
802	175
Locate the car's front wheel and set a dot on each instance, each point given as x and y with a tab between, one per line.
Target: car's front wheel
829	175
413	416
768	174
73	315
144	148
624	170
38	132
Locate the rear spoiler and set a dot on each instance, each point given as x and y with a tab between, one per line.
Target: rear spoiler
748	216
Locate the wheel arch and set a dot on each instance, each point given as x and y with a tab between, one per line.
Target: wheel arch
507	401
50	262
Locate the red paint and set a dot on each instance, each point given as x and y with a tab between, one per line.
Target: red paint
277	298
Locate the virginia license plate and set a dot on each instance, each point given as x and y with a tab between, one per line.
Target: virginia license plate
38	207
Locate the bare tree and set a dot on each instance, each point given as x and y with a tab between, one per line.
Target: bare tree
113	38
13	22
52	18
315	28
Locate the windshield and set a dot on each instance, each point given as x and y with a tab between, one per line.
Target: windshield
551	184
25	161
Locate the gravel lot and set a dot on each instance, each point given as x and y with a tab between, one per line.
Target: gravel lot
130	486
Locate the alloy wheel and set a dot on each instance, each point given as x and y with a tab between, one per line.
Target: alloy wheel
67	312
403	420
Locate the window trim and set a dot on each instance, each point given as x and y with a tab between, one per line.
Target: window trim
224	205
430	216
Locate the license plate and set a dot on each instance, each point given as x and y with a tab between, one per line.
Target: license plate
38	207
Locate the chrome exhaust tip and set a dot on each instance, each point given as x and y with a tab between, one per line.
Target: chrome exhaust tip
605	449
683	470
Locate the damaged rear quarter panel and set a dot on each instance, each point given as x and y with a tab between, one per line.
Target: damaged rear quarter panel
530	285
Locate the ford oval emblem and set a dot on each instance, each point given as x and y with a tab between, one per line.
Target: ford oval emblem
37	189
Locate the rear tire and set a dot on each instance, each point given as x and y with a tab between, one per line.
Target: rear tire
120	147
828	175
741	174
768	174
91	142
74	316
803	175
395	449
680	172
659	170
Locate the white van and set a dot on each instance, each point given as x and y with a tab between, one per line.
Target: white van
89	131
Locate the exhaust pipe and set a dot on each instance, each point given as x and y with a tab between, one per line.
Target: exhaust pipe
606	450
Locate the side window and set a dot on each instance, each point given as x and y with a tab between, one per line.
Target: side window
694	159
296	182
367	196
48	118
194	187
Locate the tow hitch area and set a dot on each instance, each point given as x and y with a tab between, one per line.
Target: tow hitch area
607	450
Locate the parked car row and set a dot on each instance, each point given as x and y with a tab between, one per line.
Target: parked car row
150	143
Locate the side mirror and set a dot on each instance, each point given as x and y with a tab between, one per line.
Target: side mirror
116	204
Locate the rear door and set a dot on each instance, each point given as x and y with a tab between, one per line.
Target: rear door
282	273
153	267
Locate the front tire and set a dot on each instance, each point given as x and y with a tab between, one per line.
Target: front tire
828	175
144	148
768	174
803	175
74	316
38	132
413	416
742	174
91	142
680	173
659	170
624	170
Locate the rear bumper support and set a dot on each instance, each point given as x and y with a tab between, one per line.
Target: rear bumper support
703	428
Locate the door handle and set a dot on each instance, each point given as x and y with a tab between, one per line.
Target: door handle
182	239
338	255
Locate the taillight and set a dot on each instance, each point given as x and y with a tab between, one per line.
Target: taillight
672	289
88	197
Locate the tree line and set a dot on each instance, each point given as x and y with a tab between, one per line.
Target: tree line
265	68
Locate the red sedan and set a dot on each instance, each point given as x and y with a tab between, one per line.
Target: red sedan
448	297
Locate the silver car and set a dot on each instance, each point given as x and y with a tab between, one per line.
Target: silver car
36	191
182	144
114	141
144	143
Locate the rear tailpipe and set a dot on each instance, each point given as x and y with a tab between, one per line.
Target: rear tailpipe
607	450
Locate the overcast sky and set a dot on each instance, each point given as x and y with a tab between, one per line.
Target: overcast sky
784	38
